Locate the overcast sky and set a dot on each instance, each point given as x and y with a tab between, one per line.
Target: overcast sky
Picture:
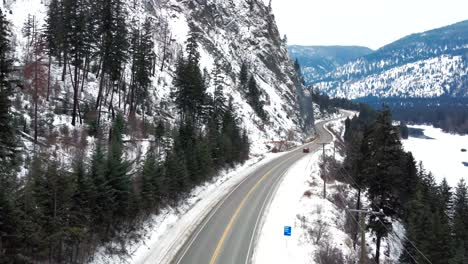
371	23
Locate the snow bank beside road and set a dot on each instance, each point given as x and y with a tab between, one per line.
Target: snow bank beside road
168	231
290	207
317	223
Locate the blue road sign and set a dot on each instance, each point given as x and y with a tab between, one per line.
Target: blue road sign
287	230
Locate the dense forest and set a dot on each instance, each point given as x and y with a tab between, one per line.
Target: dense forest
58	213
434	215
449	114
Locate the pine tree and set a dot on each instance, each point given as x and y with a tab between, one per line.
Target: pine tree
9	212
101	210
7	133
85	195
176	176
205	162
245	146
159	133
142	65
383	174
253	97
460	218
117	169
113	48
243	76
193	55
148	190
446	196
297	68
190	89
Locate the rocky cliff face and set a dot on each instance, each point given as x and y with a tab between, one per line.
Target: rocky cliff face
230	33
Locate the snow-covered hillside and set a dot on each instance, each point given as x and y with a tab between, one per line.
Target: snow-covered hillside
443	75
316	61
230	33
423	65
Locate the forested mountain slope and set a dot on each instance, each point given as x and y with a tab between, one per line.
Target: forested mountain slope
113	110
316	61
423	65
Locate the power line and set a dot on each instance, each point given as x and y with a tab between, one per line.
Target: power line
360	227
411	242
357	185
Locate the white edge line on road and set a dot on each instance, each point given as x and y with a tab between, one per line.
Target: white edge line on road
261	213
210	215
208	218
276	186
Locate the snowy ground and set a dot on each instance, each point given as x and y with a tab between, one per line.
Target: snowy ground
440	155
316	222
167	232
299	203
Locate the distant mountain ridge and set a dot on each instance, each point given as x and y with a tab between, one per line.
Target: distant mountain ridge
422	65
316	61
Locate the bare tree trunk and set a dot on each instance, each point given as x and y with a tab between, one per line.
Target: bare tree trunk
85	72
358	207
98	100
111	102
48	77
75	95
65	62
377	249
101	86
36	93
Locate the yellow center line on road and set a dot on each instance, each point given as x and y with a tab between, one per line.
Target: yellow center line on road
236	213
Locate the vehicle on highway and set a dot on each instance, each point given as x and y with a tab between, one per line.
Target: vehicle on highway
305	150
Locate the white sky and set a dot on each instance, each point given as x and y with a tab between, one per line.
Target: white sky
371	23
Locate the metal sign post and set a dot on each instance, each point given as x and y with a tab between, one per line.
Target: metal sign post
287	233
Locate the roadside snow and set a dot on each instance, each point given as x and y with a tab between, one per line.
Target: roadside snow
292	207
167	232
316	222
440	155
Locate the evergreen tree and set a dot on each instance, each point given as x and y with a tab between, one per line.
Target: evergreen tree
176	176
193	55
84	197
383	174
148	189
190	89
117	169
245	146
243	76
253	97
404	130
159	133
142	65
102	210
7	133
9	213
460	219
297	68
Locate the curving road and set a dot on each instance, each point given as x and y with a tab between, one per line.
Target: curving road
227	234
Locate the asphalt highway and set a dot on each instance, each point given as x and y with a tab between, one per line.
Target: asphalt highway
228	233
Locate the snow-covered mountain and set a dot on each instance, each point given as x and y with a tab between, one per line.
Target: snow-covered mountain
316	61
229	33
428	64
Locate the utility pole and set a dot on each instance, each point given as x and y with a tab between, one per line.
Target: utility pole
334	150
323	171
362	223
323	147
